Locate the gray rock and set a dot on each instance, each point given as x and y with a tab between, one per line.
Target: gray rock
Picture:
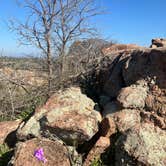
31	128
132	97
126	119
142	145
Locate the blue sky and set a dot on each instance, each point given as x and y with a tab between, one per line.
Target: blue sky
129	21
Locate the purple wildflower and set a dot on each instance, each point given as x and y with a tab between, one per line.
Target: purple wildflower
39	154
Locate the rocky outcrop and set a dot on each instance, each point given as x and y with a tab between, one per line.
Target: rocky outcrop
55	153
137	106
69	115
129	84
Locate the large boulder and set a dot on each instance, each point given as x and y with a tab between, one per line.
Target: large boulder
134	65
55	153
147	68
68	114
142	145
136	90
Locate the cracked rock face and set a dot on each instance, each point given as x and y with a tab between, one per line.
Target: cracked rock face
69	115
148	65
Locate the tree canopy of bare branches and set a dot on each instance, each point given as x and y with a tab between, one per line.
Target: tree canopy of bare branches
51	25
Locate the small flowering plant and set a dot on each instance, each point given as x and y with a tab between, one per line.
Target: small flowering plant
39	154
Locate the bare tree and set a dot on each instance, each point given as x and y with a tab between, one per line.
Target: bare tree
51	25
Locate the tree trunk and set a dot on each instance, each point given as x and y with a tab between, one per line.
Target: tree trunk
49	65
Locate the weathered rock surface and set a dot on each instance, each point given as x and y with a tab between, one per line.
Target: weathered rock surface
8	131
132	97
159	42
119	47
55	153
107	127
154	118
142	145
69	115
31	128
120	121
95	153
126	119
156	101
148	65
115	81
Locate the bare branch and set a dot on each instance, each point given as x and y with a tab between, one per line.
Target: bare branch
51	25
